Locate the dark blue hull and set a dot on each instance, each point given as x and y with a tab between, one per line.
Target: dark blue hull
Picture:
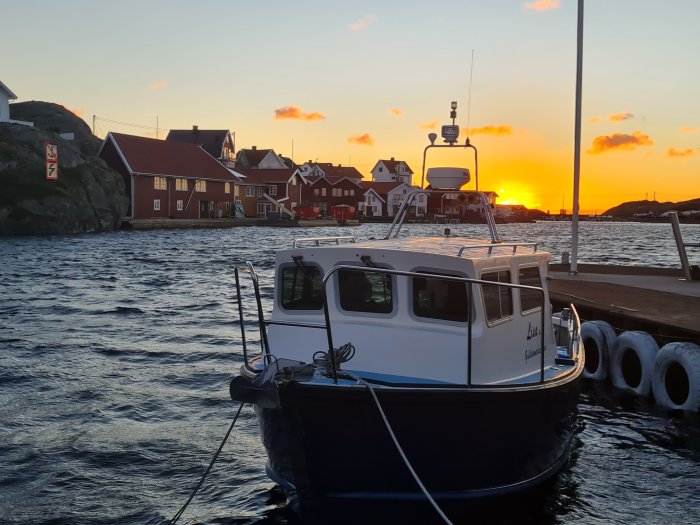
327	442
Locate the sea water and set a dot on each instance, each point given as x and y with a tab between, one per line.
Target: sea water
117	349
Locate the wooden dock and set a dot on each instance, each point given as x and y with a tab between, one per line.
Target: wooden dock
655	300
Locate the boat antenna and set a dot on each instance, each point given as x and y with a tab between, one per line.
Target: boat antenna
469	94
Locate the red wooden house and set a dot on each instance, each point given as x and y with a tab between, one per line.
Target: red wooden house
170	180
217	142
260	187
326	192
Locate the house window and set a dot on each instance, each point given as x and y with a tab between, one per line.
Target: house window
302	288
316	192
180	205
250	191
235	190
262	208
346	193
227	187
530	299
365	291
259	192
156	204
272	190
160	183
352	193
294	181
420	198
180	184
498	300
380	169
200	186
336	192
440	299
323	192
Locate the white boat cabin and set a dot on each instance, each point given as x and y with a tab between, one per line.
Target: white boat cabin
411	328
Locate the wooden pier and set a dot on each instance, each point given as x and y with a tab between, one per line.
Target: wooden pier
659	301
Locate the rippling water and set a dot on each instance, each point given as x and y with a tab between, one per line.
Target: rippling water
116	351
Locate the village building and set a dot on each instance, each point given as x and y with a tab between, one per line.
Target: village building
264	190
255	158
5	96
454	204
382	199
217	142
170	180
310	170
331	191
392	170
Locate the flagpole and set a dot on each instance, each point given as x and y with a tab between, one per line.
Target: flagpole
577	141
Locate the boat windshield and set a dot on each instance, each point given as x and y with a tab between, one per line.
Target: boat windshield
301	287
365	291
437	298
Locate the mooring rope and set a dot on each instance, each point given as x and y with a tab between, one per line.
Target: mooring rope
179	513
403	455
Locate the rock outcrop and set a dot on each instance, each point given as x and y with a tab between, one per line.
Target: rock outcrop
87	197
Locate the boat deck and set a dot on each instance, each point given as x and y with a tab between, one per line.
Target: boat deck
656	300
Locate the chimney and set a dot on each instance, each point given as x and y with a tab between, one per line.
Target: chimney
195	128
254	148
392	158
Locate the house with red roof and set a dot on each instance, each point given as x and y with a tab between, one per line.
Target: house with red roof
217	142
167	179
263	190
310	170
392	170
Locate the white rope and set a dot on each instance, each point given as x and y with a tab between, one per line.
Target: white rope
403	455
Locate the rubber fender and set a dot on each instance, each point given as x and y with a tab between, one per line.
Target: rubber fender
598	338
632	362
676	377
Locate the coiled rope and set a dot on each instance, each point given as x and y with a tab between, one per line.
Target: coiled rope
179	513
403	455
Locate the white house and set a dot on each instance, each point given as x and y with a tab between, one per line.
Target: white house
5	96
392	170
384	199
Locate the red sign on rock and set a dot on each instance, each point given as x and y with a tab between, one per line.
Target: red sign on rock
51	161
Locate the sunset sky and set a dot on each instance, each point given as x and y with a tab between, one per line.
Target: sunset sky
353	82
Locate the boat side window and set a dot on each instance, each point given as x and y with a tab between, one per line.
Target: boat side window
365	291
440	299
530	299
301	287
498	300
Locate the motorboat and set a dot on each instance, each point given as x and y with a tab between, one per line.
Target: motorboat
409	367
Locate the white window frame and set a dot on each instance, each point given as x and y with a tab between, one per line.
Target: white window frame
250	191
272	190
180	205
227	187
160	183
200	186
156	204
181	184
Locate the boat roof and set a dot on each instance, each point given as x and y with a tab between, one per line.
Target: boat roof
451	246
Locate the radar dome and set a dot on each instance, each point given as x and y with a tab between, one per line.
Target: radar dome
448	178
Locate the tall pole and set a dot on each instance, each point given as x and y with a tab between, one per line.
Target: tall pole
577	140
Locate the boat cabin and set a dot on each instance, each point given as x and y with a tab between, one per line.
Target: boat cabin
417	310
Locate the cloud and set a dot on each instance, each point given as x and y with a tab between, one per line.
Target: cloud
595	119
159	85
397	112
672	152
428	125
363	22
365	139
689	130
78	112
295	112
493	130
620	141
619	117
541	5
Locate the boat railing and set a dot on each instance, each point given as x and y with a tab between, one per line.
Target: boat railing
327	325
248	268
402	212
514	245
469	282
316	241
688	271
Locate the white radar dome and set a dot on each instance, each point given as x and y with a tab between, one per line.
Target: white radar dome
448	178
